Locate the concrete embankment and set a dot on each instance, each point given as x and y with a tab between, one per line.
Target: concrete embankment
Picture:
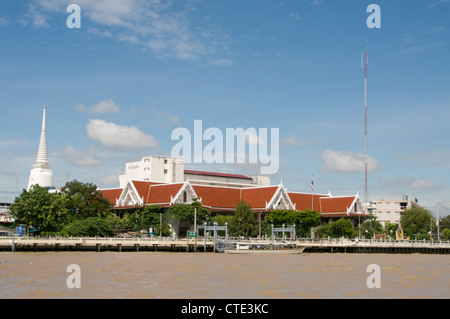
199	245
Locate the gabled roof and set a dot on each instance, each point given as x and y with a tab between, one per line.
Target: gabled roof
336	204
143	188
112	194
339	206
218	198
303	201
162	194
259	197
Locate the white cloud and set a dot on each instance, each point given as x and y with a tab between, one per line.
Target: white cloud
4	21
436	3
116	136
294	15
316	2
410	183
106	106
346	162
155	25
81	158
37	18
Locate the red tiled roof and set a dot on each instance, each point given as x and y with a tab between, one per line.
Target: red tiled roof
228	198
218	197
303	201
161	194
336	204
216	174
258	197
143	188
112	194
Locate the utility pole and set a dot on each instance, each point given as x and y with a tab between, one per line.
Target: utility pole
437	219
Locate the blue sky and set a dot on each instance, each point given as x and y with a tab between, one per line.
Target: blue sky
148	67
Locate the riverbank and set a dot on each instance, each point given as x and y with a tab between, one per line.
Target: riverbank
201	245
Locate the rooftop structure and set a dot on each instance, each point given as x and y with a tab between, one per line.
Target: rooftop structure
171	170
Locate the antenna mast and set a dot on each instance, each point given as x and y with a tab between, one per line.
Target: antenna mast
365	124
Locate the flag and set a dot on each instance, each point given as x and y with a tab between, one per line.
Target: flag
312	183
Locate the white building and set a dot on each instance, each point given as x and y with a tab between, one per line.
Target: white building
41	173
171	170
154	169
5	216
391	210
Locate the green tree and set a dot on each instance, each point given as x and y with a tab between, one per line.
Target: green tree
307	220
303	220
85	200
243	222
445	234
40	208
279	217
151	216
187	212
390	229
342	228
221	219
444	227
371	227
91	226
416	222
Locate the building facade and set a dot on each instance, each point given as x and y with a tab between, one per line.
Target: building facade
224	200
171	170
391	210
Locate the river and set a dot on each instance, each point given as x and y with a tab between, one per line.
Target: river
217	276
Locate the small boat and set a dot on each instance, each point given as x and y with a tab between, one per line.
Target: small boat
263	248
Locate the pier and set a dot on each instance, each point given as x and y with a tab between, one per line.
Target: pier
103	244
334	245
343	245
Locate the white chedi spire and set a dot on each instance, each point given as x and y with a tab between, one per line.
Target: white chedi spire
41	173
42	158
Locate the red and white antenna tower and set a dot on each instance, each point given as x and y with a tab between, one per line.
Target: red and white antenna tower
365	124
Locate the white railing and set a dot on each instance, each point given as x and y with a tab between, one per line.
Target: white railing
373	242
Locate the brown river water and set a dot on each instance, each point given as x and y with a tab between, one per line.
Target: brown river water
218	276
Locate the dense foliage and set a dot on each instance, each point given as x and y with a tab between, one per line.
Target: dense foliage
50	212
188	211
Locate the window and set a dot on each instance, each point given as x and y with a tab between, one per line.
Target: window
165	171
165	161
184	197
